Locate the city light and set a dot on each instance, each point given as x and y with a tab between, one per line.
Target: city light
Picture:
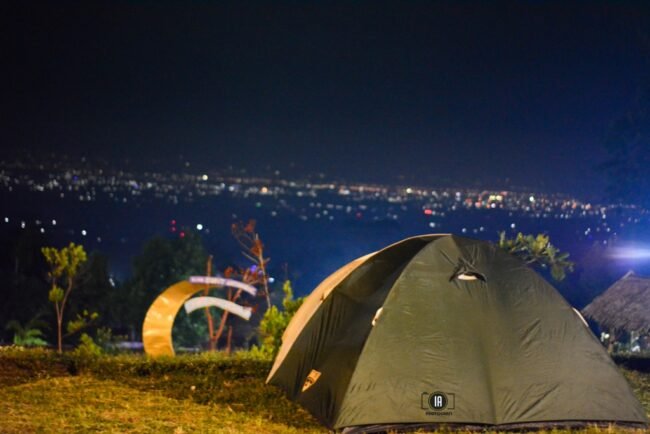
326	203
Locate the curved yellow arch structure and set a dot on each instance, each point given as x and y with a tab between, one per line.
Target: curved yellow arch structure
157	327
158	323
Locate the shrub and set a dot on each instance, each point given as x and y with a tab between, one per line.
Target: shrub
28	335
275	322
87	347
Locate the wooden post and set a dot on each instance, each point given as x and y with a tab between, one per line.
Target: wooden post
229	341
208	314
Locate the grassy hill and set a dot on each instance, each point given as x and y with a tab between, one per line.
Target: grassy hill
210	393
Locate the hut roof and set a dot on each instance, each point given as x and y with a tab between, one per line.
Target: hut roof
624	306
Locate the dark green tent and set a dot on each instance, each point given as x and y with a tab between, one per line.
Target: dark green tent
439	329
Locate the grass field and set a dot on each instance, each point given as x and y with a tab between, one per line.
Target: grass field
41	392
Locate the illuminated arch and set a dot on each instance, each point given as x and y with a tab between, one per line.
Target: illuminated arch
236	309
158	323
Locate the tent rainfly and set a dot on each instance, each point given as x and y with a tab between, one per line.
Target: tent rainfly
439	329
625	306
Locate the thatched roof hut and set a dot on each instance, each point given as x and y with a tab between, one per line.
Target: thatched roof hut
625	306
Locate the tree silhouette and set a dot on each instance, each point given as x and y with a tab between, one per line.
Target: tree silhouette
253	249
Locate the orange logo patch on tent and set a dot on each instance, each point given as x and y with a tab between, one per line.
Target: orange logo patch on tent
311	379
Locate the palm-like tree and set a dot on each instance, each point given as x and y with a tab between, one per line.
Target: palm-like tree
29	335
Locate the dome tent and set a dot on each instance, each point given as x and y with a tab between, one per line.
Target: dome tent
439	329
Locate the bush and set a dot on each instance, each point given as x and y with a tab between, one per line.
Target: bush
213	364
87	347
29	335
275	322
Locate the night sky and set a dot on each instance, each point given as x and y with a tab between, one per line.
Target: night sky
467	93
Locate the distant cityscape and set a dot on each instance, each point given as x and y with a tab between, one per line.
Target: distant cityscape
325	200
116	210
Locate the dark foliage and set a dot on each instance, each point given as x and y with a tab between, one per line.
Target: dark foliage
23	293
162	263
632	362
